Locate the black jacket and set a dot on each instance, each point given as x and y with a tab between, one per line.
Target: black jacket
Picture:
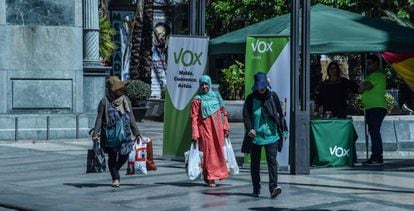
271	109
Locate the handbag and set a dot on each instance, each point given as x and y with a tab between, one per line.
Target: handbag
137	158
150	156
230	157
95	161
193	161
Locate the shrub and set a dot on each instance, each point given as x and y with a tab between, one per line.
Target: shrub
233	81
389	100
137	90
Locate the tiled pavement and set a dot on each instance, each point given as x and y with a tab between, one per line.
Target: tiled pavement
50	175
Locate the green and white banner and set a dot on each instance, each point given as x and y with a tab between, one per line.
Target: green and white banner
271	55
187	59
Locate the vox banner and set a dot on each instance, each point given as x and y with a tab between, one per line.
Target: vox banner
187	59
271	55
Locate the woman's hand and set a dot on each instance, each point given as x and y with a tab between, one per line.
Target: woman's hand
226	133
96	138
252	133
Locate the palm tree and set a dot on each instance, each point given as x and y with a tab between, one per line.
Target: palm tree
106	44
142	41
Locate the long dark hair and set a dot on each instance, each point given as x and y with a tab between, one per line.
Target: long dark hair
338	69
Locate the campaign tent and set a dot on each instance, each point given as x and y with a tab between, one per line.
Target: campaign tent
332	30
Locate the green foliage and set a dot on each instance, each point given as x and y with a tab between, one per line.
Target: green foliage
137	90
106	32
233	81
389	100
224	16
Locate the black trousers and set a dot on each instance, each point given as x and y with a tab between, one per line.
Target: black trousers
271	153
374	118
115	162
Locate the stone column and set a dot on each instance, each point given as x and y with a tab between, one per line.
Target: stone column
90	32
94	73
2	12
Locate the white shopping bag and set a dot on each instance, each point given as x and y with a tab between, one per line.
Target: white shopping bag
230	157
137	158
193	162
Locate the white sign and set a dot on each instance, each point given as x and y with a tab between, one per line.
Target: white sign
187	59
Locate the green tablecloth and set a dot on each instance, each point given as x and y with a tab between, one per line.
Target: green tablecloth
332	142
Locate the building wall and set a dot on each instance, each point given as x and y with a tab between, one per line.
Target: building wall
41	61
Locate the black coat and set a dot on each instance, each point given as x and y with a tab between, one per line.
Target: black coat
271	110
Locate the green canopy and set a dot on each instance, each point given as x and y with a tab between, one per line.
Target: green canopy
332	30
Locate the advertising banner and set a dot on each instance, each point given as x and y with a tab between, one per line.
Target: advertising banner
271	55
187	59
122	23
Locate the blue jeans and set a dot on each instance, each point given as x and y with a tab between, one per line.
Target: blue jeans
271	152
374	118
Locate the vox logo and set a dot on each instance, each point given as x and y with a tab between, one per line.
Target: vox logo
187	57
339	151
262	46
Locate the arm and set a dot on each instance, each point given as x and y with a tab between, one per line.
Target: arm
352	86
320	98
133	122
195	114
247	116
226	124
365	86
282	120
99	120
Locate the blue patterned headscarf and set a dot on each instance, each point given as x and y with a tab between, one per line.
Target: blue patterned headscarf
211	101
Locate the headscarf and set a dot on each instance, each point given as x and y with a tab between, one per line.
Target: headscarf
211	101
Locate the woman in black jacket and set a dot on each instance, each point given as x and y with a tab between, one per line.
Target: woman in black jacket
265	127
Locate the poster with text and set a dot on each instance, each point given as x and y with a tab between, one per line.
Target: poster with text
187	59
271	55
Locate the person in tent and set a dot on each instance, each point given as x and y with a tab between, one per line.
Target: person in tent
372	90
334	92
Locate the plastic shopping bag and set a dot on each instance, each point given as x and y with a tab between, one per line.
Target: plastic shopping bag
230	157
193	162
137	158
95	162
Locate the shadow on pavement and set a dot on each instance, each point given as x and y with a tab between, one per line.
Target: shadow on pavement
182	184
348	187
389	165
278	209
95	185
223	194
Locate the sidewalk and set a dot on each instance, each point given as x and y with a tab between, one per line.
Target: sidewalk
50	175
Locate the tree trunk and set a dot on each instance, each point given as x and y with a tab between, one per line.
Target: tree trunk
142	41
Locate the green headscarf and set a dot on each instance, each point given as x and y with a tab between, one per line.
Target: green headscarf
211	101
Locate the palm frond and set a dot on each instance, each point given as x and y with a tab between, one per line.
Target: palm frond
106	44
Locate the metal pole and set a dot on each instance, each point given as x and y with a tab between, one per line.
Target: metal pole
202	18
193	17
77	126
299	150
294	55
365	114
47	127
16	128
